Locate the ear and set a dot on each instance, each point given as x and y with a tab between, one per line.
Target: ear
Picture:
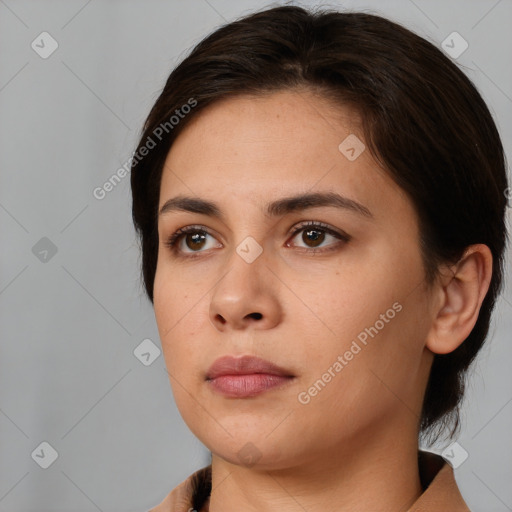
459	294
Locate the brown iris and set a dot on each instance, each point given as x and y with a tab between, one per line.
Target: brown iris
313	237
195	241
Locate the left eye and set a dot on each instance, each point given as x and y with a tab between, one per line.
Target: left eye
314	235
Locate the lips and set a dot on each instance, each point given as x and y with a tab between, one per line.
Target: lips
245	376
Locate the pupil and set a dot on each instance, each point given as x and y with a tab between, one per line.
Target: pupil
313	235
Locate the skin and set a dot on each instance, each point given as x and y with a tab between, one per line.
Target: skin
353	447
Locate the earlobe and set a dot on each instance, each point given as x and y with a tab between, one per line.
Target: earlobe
461	289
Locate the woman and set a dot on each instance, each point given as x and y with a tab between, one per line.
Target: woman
320	199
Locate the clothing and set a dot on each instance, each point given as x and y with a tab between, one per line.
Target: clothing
440	491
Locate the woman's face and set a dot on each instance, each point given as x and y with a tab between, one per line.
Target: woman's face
330	289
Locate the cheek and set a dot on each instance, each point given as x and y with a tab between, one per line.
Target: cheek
175	313
177	326
370	370
175	297
371	312
344	302
166	306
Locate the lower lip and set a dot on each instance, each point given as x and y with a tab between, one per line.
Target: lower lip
243	386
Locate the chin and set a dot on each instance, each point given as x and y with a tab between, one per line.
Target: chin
245	449
253	456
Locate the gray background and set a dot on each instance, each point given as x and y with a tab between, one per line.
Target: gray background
70	321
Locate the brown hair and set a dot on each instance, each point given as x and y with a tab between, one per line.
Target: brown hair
423	120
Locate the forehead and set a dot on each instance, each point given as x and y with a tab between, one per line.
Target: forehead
255	148
283	117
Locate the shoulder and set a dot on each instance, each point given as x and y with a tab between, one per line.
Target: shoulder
190	495
441	492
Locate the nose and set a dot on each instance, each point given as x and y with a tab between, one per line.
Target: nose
246	297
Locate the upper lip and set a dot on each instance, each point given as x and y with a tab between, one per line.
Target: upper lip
244	365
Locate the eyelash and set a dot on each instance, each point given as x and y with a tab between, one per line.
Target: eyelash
175	238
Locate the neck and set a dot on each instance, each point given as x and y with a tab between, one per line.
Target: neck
375	473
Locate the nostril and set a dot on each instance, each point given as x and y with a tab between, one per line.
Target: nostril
221	319
256	316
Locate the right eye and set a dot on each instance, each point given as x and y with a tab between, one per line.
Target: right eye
190	239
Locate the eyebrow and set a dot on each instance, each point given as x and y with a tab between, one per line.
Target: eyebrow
276	208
